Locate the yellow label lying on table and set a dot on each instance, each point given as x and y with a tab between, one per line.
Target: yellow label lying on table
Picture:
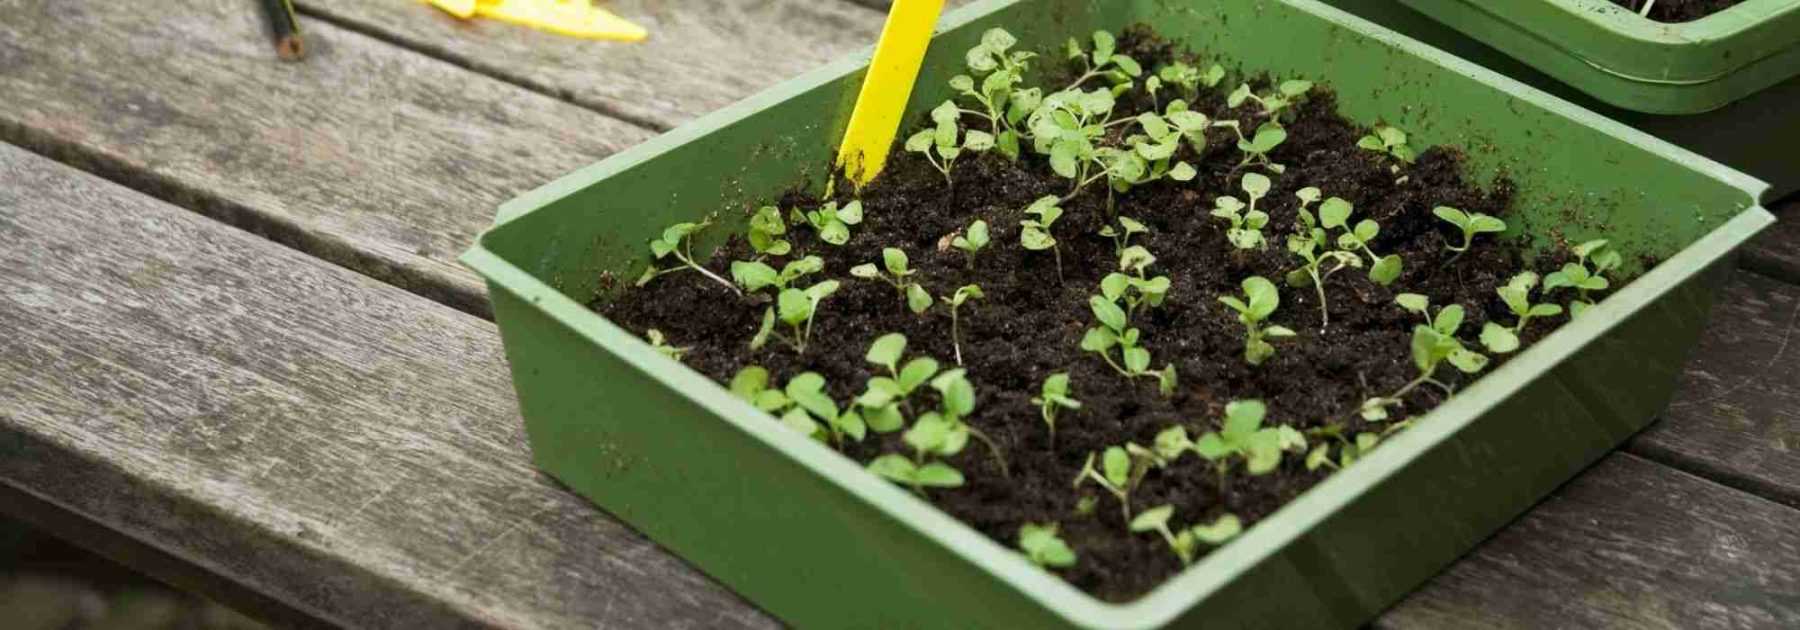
876	119
575	18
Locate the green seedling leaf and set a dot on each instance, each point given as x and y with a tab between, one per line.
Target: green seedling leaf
1153	519
1108	313
1386	270
1170	443
894	468
939	475
749	382
1498	339
1043	547
886	350
917	298
1414	303
1116	465
895	261
916	373
1219	531
763	332
794	306
1469	225
754	276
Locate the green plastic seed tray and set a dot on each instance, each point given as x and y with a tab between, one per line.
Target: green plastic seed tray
809	536
1756	132
1632	62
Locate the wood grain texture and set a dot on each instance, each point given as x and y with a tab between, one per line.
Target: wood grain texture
339	444
1736	414
366	154
700	56
1628	544
1776	252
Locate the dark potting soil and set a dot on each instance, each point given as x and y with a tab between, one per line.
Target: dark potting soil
1031	322
1679	10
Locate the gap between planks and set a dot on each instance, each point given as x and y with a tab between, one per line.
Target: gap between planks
451	57
369	156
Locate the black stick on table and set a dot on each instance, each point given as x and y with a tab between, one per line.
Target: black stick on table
284	28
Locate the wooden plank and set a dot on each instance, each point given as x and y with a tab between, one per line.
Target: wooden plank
145	558
1736	414
1776	252
345	447
1628	544
366	154
700	55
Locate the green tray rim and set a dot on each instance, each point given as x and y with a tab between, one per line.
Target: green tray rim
1634	62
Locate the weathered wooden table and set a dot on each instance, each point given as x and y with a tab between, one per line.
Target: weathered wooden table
236	350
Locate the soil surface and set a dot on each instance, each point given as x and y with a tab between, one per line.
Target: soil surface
1679	10
1031	323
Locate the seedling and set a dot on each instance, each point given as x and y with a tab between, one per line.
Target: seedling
1334	213
1246	224
1157	519
1191	125
1066	127
1001	104
807	390
965	293
1085	505
1578	276
1170	444
1389	141
1260	300
1102	61
1189	78
796	308
883	397
957	396
833	223
1311	245
751	383
1138	288
1121	236
916	475
1115	330
1183	543
941	433
1256	147
1119	474
755	275
802	406
661	345
1470	224
1043	547
1244	438
1433	343
972	241
678	241
1349	449
1273	103
1069	124
943	140
766	231
899	275
1517	296
1035	233
1052	396
1152	153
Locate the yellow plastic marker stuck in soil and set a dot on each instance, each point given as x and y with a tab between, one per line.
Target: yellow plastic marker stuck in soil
574	18
876	119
